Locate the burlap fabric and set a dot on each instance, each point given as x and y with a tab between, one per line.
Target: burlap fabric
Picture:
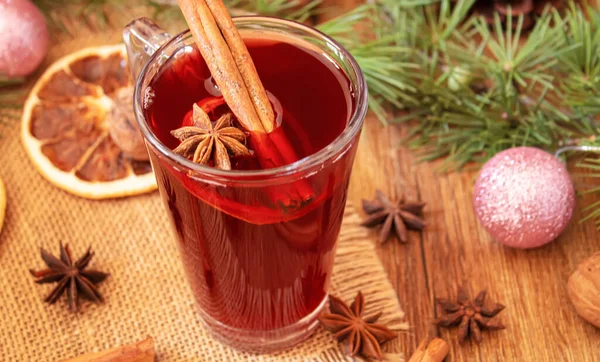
147	293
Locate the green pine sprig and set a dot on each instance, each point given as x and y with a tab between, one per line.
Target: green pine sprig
480	89
96	11
290	9
591	165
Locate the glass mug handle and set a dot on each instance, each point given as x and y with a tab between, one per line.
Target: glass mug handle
142	38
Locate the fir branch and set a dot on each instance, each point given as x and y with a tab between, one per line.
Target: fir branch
377	57
581	84
95	11
165	12
91	12
592	166
294	9
290	9
480	90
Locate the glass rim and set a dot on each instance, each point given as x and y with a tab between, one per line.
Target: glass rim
305	164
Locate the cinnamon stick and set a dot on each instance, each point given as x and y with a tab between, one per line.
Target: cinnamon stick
142	351
244	63
435	351
220	62
234	72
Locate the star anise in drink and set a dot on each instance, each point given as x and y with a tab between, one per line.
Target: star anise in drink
202	141
362	334
396	216
71	276
470	316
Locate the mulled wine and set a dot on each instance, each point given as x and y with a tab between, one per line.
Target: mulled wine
257	264
309	93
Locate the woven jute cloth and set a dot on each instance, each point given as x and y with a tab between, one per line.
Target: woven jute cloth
147	293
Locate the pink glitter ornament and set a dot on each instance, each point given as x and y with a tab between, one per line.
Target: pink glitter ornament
524	197
24	38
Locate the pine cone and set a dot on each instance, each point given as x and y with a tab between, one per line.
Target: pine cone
530	9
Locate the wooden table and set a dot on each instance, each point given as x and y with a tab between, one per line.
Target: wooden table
454	250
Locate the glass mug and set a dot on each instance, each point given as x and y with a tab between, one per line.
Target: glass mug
260	275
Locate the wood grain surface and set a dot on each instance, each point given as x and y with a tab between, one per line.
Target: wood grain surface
454	250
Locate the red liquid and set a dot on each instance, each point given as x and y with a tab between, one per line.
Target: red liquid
251	264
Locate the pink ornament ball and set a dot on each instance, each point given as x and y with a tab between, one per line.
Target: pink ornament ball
24	38
524	197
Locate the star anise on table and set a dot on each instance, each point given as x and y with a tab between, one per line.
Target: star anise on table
470	316
396	215
362	334
71	276
203	141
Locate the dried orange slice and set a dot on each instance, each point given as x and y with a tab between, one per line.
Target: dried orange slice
67	133
2	203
